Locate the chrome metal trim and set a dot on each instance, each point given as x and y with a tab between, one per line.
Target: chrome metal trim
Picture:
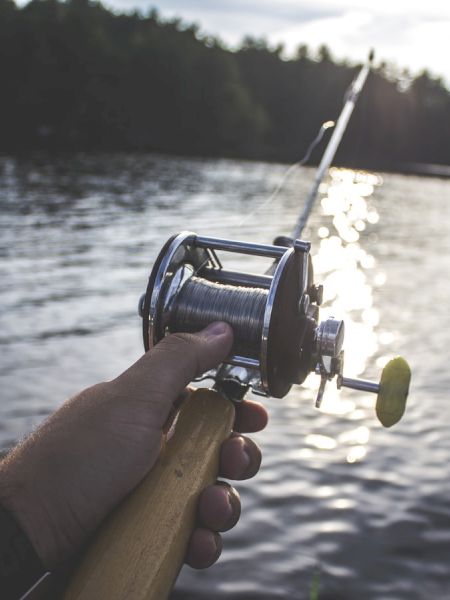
243	361
243	247
268	315
237	278
157	297
358	384
330	337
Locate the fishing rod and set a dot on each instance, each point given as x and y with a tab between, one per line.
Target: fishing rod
278	340
350	100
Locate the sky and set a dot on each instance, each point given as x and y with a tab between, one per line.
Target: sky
408	33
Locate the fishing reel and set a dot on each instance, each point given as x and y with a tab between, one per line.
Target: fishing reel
278	338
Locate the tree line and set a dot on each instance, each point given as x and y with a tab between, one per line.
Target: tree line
76	76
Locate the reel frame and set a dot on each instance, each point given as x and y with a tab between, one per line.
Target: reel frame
289	321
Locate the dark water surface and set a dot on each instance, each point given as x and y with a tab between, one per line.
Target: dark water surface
367	509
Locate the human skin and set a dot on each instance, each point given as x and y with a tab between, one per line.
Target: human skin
71	472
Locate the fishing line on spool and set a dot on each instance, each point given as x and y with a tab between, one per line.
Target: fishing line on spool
201	301
326	125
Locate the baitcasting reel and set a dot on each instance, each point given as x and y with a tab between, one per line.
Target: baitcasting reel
278	339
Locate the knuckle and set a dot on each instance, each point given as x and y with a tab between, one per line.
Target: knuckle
184	349
180	339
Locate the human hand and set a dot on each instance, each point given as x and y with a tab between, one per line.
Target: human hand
100	444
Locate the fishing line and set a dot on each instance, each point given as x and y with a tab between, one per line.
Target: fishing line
201	302
326	125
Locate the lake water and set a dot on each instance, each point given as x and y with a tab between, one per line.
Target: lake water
363	509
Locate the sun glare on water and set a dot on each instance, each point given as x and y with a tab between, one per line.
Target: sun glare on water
349	274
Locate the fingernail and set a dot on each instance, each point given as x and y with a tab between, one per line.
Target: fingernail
216	328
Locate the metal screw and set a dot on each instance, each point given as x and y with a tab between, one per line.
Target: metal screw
316	293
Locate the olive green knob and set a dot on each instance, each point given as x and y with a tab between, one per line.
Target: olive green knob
393	391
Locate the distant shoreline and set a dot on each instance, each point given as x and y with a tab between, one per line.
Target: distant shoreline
426	170
417	169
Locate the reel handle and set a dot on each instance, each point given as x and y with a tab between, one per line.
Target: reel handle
392	391
139	550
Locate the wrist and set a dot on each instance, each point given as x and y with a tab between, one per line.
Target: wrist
22	498
21	569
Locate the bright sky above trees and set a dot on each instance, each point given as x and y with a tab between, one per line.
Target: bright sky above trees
409	33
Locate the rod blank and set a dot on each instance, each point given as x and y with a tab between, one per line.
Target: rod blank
341	125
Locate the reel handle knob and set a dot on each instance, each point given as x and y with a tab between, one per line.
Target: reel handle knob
394	388
392	391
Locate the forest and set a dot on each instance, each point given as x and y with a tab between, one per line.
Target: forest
79	77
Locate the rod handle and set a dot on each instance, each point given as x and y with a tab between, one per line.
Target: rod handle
139	550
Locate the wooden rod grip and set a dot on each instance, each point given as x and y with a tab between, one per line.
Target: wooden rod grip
139	550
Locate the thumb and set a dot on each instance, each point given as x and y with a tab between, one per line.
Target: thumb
161	374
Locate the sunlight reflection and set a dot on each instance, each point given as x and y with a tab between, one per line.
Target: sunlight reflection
334	404
348	273
342	503
373	217
358	415
359	436
356	454
386	338
299	454
305	453
371	317
322	442
382	361
380	279
324	491
334	526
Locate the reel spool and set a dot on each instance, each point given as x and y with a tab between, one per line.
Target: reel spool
278	339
